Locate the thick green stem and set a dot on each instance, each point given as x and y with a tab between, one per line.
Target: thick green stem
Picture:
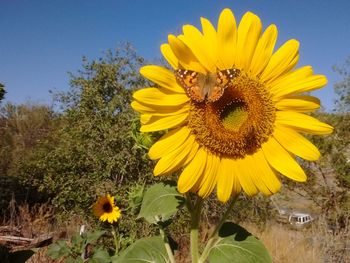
214	234
195	220
166	242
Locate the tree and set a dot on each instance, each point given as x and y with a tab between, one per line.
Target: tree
93	152
22	127
342	88
2	91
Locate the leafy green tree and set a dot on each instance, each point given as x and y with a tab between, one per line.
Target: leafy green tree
93	151
342	88
22	127
335	147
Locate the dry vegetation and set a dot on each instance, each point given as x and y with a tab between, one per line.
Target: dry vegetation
311	245
314	244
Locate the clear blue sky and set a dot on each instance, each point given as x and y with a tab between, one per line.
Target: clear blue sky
41	40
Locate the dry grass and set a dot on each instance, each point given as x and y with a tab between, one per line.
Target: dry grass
314	244
31	222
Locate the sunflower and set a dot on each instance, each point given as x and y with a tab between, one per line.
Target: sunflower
234	110
106	210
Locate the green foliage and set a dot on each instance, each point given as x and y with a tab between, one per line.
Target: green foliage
22	128
342	88
148	249
237	245
58	250
2	91
135	194
100	256
72	251
161	201
92	151
334	148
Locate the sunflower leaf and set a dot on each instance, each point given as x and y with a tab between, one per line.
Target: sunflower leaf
58	249
92	237
236	244
100	256
160	202
148	249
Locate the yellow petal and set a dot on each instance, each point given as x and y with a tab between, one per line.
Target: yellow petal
196	42
264	50
298	103
302	122
193	172
210	38
266	174
184	55
144	118
225	180
249	31
296	143
282	161
290	78
210	176
282	61
163	77
179	111
158	123
174	160
245	176
256	173
299	86
159	110
193	151
169	55
169	142
154	96
227	31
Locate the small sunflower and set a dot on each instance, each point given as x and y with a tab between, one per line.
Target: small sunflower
234	109
106	210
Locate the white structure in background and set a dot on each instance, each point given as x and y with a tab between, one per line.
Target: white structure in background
295	219
300	219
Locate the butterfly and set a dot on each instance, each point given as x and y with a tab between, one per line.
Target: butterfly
205	87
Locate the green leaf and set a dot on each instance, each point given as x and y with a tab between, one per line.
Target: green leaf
149	249
74	260
237	245
100	256
58	250
77	240
94	236
162	201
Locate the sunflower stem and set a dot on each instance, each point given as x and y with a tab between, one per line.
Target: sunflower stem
165	240
195	220
214	235
115	238
188	202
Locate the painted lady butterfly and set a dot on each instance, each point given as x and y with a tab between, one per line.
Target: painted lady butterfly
200	87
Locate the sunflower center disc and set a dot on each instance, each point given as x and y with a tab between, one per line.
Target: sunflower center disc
233	115
238	123
107	207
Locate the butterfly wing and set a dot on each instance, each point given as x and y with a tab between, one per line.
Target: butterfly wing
191	81
200	87
223	80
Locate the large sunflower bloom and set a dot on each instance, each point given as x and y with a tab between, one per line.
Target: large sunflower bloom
251	133
106	210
